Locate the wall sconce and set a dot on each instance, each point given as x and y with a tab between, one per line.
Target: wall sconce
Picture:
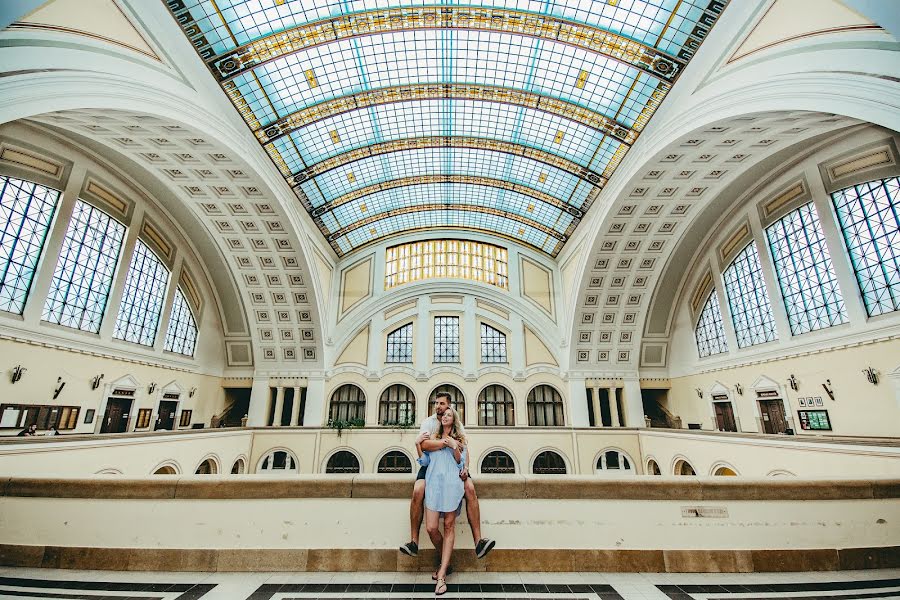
793	383
151	388
17	373
95	382
871	375
739	389
828	388
59	388
699	393
192	392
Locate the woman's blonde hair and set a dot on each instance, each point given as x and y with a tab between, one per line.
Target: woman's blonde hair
457	431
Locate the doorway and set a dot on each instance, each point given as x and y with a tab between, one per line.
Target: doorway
724	416
165	418
116	418
772	414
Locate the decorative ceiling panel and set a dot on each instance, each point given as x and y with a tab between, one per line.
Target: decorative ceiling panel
504	117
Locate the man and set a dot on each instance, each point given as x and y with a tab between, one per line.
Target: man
32	430
417	504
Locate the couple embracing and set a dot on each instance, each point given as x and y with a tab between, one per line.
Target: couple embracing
442	483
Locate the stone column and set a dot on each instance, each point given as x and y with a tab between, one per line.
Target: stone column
259	403
614	418
316	410
577	408
295	408
279	406
633	403
595	404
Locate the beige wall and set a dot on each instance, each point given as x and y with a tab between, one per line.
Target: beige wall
859	408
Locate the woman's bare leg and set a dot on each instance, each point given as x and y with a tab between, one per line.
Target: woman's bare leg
449	540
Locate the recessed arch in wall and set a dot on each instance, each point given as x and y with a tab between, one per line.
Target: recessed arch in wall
614	461
397	405
723	469
545	406
457	399
549	461
209	465
347	402
682	466
498	460
652	467
167	467
496	406
239	467
780	473
109	471
394	460
342	460
278	460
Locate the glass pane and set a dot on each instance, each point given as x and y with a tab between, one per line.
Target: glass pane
810	289
84	273
447	259
869	216
26	211
709	332
399	345
182	334
749	299
143	298
446	339
493	345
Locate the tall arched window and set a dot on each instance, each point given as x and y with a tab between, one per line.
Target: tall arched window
545	407
810	289
400	345
181	337
85	269
749	299
342	461
348	403
26	211
457	400
709	333
869	215
493	345
143	298
498	462
496	406
397	406
395	462
549	462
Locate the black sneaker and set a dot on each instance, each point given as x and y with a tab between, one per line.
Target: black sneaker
484	546
410	549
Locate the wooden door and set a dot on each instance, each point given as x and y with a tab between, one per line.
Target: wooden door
116	418
724	416
772	412
166	417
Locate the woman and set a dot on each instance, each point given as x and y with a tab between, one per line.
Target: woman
444	490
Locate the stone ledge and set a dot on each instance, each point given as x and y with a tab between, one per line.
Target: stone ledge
351	559
231	487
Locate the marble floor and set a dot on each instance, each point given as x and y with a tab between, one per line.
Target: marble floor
114	585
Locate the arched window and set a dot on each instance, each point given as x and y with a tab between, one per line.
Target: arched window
278	462
683	467
400	345
395	461
166	470
397	406
207	467
181	337
498	462
84	273
238	467
348	403
809	287
709	333
869	215
725	472
143	298
493	345
749	299
545	407
457	400
496	406
549	462
26	211
614	461
342	461
653	468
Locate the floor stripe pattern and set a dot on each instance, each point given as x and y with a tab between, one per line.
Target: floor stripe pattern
63	589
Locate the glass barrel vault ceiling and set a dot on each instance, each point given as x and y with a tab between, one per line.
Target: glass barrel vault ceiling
501	117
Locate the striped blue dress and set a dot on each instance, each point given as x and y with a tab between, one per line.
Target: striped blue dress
444	490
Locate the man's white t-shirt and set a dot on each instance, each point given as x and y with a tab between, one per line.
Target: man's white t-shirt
429	425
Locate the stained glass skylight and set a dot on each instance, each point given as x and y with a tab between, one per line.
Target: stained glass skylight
410	108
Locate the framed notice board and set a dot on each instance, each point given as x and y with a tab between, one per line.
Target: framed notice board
814	419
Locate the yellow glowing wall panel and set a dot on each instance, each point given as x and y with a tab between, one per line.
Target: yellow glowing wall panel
454	259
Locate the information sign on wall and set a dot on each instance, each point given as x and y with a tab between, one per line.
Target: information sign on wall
814	419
